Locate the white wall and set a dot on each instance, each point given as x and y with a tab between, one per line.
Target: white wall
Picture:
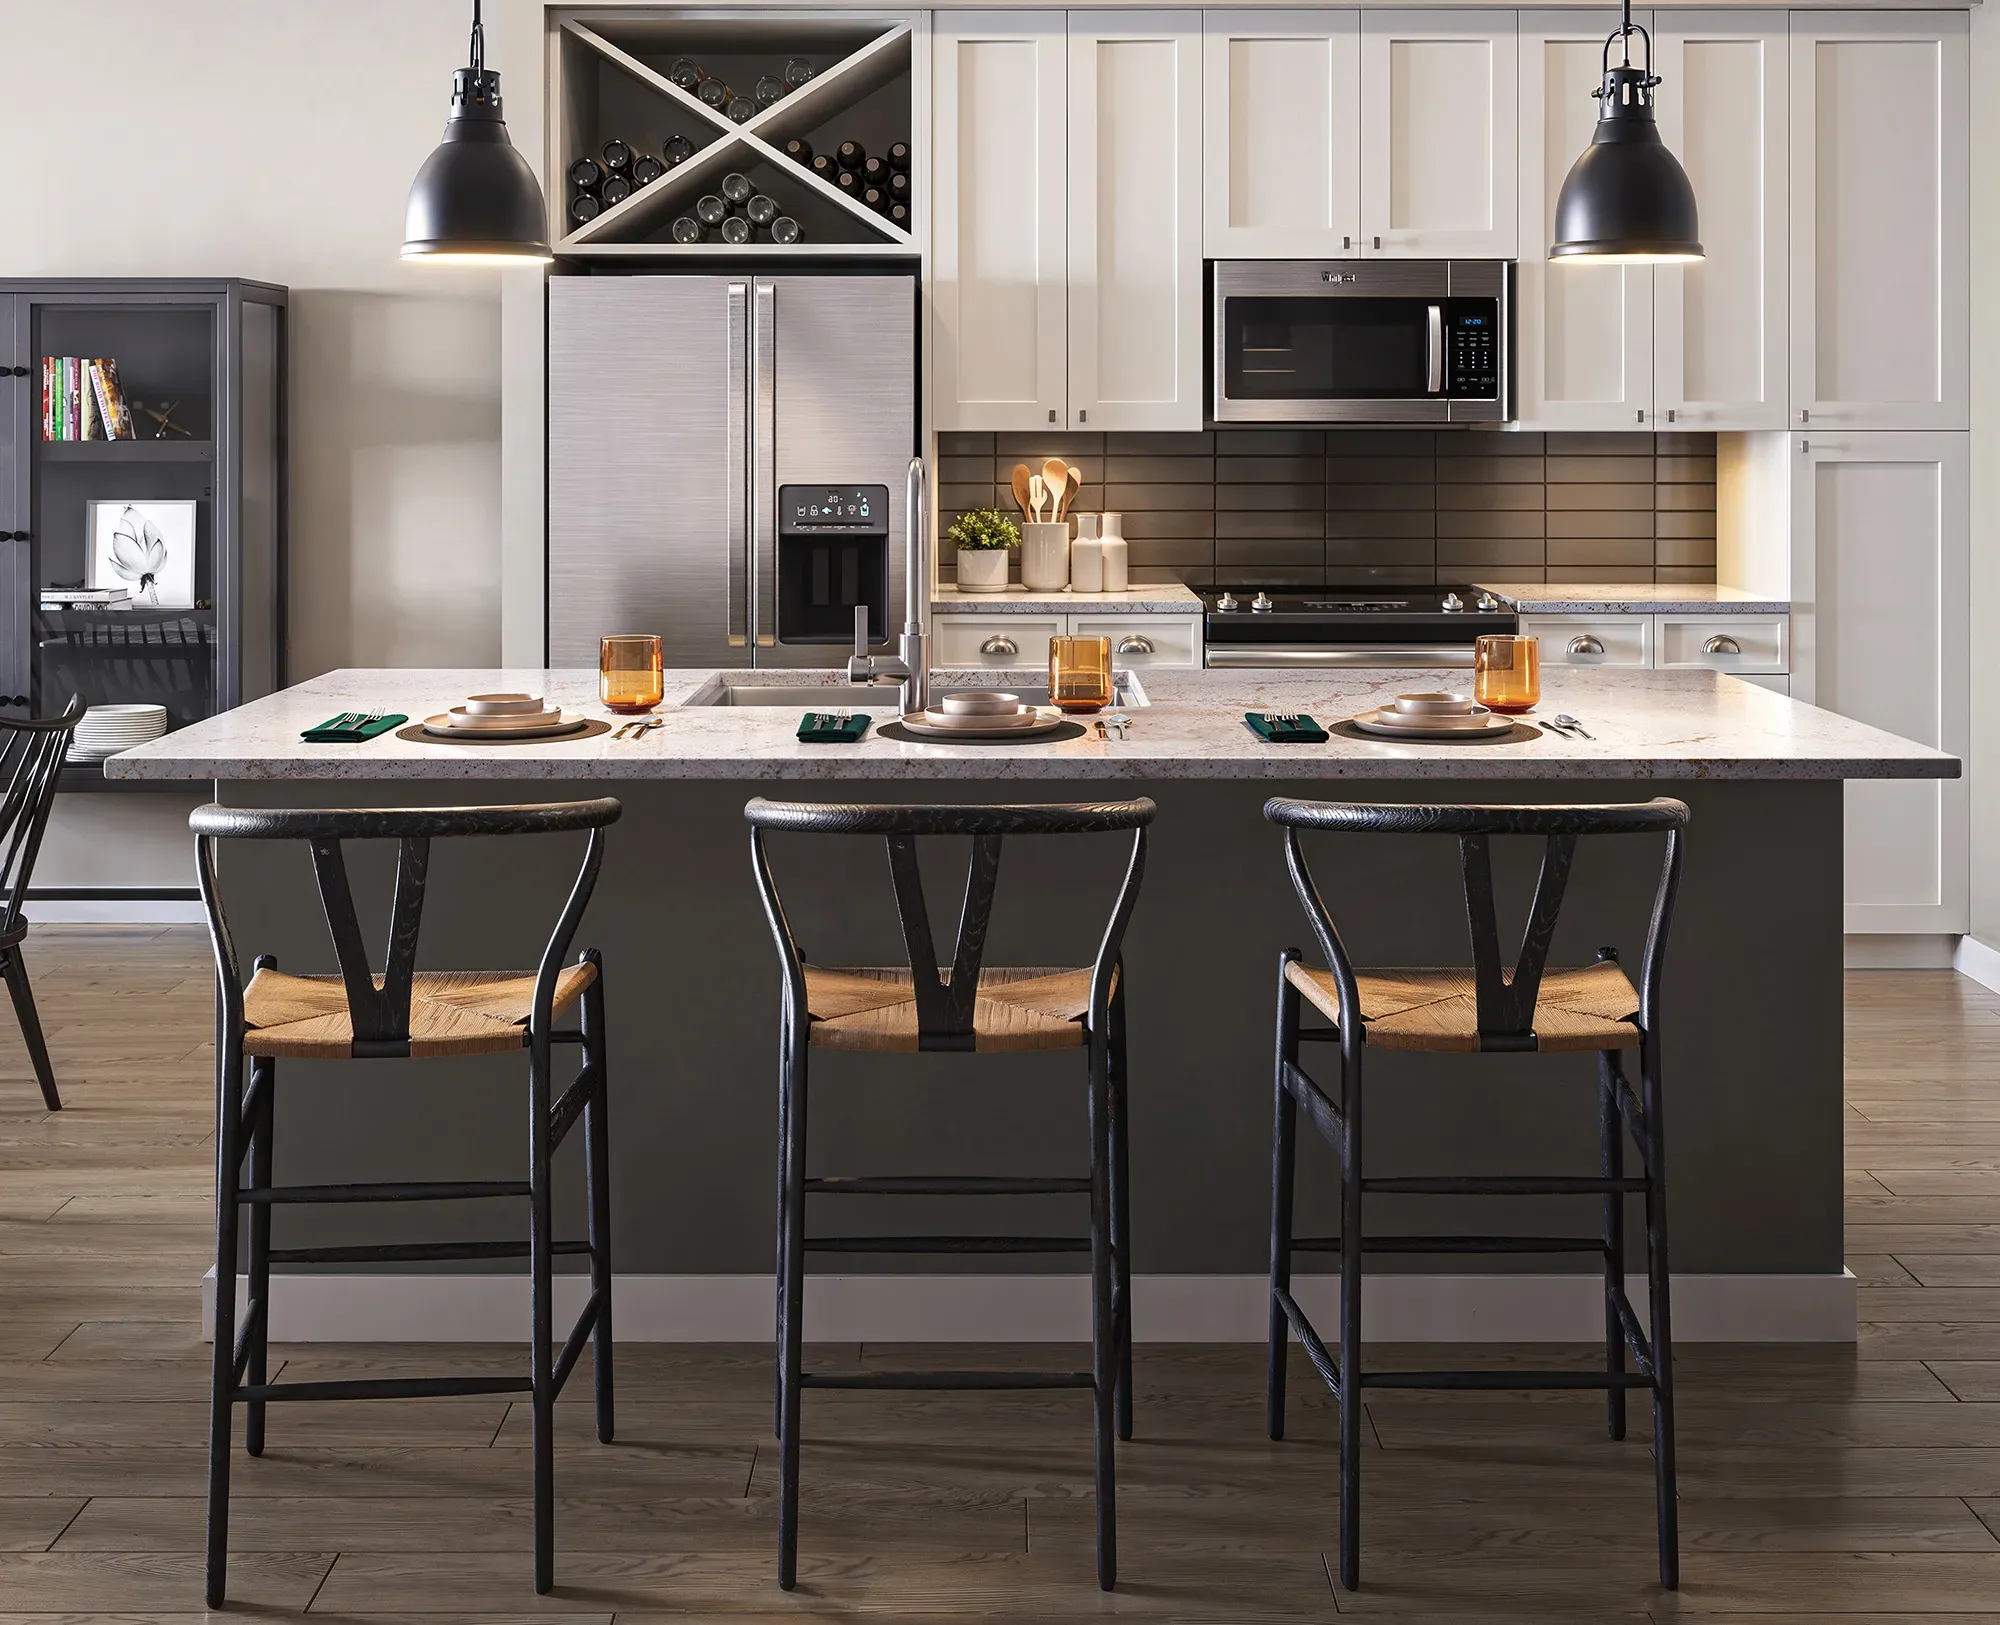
276	139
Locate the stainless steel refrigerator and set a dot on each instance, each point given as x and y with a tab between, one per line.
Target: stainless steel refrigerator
726	463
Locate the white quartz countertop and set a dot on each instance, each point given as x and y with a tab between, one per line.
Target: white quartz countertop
1643	598
1648	725
1152	598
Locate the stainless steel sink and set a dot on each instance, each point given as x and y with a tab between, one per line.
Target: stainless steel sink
731	688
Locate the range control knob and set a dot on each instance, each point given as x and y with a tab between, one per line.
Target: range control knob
1486	603
1227	602
1452	603
1261	604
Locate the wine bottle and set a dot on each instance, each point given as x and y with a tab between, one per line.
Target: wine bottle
736	230
799	151
677	150
687	229
616	189
875	198
798	71
685	73
899	185
585	207
646	169
785	229
822	165
742	109
714	93
760	210
769	90
736	187
848	181
710	209
586	174
899	214
875	171
899	157
617	155
852	155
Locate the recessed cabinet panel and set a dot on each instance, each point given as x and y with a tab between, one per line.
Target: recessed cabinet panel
1880	583
1438	139
998	255
1720	325
1135	309
1584	348
1879	220
1281	133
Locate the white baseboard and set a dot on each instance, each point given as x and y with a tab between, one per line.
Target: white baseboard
1045	1308
1895	950
114	911
1978	961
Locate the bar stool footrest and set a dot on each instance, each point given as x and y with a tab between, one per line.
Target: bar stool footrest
1309	1339
382	1388
1503	1381
1456	1244
1506	1184
955	1381
944	1185
407	1252
433	1190
947	1244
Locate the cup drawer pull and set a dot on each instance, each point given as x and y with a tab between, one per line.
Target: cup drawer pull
1722	644
1134	644
999	644
1586	643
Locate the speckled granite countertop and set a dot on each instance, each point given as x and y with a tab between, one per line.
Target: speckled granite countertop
1649	725
1610	598
1152	598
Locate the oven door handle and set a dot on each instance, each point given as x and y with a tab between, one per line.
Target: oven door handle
1277	657
1434	350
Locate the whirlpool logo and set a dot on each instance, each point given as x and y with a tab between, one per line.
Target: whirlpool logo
1337	276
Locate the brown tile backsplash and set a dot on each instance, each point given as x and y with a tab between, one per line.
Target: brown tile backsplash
1348	506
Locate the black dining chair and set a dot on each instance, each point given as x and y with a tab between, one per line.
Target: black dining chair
1487	1007
399	1014
31	761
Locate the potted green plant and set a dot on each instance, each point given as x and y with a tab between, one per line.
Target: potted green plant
983	537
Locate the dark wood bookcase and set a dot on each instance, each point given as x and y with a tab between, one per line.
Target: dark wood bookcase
216	350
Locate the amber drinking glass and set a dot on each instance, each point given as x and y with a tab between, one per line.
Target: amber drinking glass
630	678
1507	674
1080	674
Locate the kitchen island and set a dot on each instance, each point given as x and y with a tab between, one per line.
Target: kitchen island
1752	1026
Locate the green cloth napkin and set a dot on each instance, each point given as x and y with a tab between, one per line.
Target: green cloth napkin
351	727
825	728
1283	730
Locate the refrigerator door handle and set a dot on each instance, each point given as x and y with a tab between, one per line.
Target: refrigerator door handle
737	475
764	464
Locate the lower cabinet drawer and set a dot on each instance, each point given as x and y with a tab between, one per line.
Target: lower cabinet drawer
993	640
1592	640
1734	643
1144	640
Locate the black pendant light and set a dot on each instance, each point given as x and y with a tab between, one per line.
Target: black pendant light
1627	200
476	198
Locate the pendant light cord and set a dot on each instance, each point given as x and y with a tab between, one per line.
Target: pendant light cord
479	36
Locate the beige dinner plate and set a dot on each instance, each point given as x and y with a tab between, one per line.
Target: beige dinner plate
1393	725
547	726
1034	723
1022	716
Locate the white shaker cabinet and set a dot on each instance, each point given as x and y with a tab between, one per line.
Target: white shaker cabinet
1438	134
1281	134
1879	231
1135	189
999	224
1583	350
1882	629
1719	326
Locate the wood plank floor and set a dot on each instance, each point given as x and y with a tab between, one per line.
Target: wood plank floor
1861	1485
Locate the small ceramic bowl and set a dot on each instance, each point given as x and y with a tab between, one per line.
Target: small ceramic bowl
503	705
980	703
1435	704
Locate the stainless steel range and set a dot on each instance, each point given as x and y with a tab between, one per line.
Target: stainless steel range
1329	627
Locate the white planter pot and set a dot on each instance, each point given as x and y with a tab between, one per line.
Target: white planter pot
982	569
1045	556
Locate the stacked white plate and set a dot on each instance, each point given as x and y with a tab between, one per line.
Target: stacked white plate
503	716
980	714
1432	716
105	730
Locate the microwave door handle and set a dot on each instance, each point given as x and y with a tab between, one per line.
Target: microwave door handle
1434	350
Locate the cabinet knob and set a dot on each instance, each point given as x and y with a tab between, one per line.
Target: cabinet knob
1641	415
1347	242
1585	643
1670	414
1052	414
1134	644
1722	644
999	644
1082	417
1378	242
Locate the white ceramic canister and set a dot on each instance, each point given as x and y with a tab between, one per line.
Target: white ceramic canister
1117	557
1086	565
1045	555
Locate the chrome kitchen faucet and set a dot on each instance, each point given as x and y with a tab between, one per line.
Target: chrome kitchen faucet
911	666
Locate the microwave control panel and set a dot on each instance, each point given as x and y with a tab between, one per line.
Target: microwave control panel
1472	343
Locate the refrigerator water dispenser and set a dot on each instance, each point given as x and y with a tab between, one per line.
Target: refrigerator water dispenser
833	553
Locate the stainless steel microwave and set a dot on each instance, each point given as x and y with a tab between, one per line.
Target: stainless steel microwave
1362	341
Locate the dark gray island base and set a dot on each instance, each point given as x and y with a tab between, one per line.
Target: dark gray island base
1752	1043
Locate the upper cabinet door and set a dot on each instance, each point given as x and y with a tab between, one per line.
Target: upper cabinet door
1135	220
1880	236
1282	134
998	221
1583	347
1720	325
1438	137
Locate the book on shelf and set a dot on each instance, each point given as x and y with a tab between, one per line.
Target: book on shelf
83	399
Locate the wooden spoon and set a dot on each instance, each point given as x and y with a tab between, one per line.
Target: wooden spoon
1021	488
1069	496
1038	493
1056	473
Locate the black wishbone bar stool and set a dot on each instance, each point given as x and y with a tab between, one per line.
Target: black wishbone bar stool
963	1007
1483	1008
31	759
402	1013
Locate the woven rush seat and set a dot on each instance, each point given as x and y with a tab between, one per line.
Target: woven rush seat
451	1012
1593	1007
1018	1009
